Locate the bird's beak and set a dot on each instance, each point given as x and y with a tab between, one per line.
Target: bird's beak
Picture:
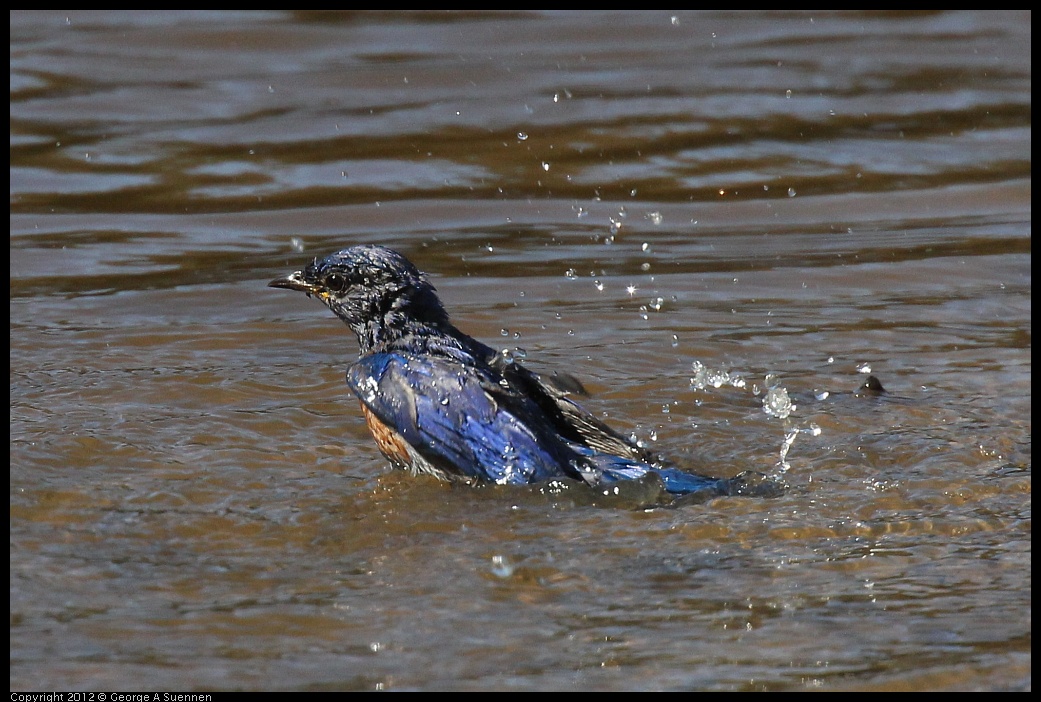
294	281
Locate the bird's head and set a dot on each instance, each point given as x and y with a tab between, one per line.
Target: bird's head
376	291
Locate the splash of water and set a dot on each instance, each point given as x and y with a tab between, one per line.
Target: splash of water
775	402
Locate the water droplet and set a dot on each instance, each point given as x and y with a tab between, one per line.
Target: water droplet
522	136
718	378
791	192
776	403
697	367
789	438
501	566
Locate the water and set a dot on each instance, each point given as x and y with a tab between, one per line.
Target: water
195	501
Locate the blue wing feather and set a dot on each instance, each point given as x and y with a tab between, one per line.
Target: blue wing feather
445	412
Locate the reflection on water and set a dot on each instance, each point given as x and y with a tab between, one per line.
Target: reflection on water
789	201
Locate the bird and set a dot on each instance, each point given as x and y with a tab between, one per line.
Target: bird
439	402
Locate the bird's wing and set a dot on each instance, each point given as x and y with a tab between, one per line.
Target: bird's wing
448	413
608	456
570	419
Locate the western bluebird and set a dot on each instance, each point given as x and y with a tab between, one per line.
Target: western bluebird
440	402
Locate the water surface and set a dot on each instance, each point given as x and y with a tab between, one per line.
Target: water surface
195	501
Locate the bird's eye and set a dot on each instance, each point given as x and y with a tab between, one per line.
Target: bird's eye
334	282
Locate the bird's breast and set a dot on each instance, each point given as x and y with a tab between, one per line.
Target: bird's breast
390	443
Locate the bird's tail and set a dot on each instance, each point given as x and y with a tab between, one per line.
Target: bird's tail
610	469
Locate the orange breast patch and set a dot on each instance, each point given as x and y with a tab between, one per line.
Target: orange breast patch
389	442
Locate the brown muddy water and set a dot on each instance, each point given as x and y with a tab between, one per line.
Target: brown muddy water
196	504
